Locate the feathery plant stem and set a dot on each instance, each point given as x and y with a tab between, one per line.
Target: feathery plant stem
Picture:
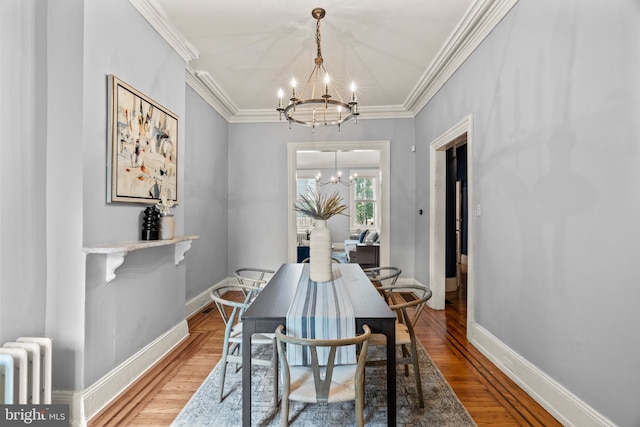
320	206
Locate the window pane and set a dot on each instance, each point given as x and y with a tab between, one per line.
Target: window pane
303	186
365	213
364	188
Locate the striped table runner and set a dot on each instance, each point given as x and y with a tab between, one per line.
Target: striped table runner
321	310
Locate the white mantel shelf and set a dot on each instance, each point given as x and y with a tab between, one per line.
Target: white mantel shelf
115	252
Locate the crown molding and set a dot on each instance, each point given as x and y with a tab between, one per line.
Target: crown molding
481	18
366	113
208	89
153	13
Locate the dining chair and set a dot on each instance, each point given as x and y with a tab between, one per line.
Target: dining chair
232	300
383	276
401	299
253	276
334	260
318	383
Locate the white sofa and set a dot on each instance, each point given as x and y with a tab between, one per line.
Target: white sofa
366	236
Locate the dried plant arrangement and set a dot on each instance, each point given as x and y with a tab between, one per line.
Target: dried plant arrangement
320	206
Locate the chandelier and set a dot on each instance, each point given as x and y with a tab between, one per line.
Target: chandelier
319	108
337	177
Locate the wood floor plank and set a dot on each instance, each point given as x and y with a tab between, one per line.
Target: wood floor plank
491	397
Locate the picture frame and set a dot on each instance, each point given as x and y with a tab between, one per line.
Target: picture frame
143	147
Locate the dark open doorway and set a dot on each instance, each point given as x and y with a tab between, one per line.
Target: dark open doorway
456	222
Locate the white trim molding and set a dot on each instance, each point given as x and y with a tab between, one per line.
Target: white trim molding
87	403
153	13
567	408
208	89
203	299
437	177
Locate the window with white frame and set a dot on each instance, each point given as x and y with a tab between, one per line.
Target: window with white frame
305	180
364	209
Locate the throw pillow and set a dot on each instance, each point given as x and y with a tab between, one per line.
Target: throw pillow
371	237
363	235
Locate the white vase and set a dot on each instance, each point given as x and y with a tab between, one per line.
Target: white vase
167	227
320	253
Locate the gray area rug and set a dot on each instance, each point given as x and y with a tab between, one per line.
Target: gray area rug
442	407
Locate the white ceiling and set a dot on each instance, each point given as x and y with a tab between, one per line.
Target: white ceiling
241	52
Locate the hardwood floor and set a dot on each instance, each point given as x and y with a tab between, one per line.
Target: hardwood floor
491	398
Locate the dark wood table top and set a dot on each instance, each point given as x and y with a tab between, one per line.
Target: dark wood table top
275	299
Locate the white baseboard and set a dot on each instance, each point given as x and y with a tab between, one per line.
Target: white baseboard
450	284
407	281
194	305
567	408
85	404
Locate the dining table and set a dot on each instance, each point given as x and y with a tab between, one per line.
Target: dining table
269	310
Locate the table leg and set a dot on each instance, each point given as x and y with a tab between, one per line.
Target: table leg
248	328
389	329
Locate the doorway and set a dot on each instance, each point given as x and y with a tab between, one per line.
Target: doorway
383	147
459	135
456	222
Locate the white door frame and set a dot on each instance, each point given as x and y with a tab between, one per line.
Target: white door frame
437	180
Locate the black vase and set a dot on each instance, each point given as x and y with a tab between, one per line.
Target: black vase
150	224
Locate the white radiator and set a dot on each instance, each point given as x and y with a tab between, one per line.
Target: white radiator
6	373
32	371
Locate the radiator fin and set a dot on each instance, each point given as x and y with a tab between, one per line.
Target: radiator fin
30	377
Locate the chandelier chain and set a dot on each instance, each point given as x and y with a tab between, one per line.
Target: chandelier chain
318	40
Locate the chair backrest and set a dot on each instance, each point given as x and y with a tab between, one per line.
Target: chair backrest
252	276
333	260
239	300
383	276
322	384
412	295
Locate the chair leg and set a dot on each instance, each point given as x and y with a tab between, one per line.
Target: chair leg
416	371
274	368
223	365
223	372
284	412
405	354
360	410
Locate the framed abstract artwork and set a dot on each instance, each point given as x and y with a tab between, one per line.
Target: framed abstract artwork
143	147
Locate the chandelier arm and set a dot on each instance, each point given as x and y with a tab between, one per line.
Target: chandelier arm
314	72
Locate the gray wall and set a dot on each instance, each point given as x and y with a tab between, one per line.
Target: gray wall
206	166
147	297
22	174
555	98
258	205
